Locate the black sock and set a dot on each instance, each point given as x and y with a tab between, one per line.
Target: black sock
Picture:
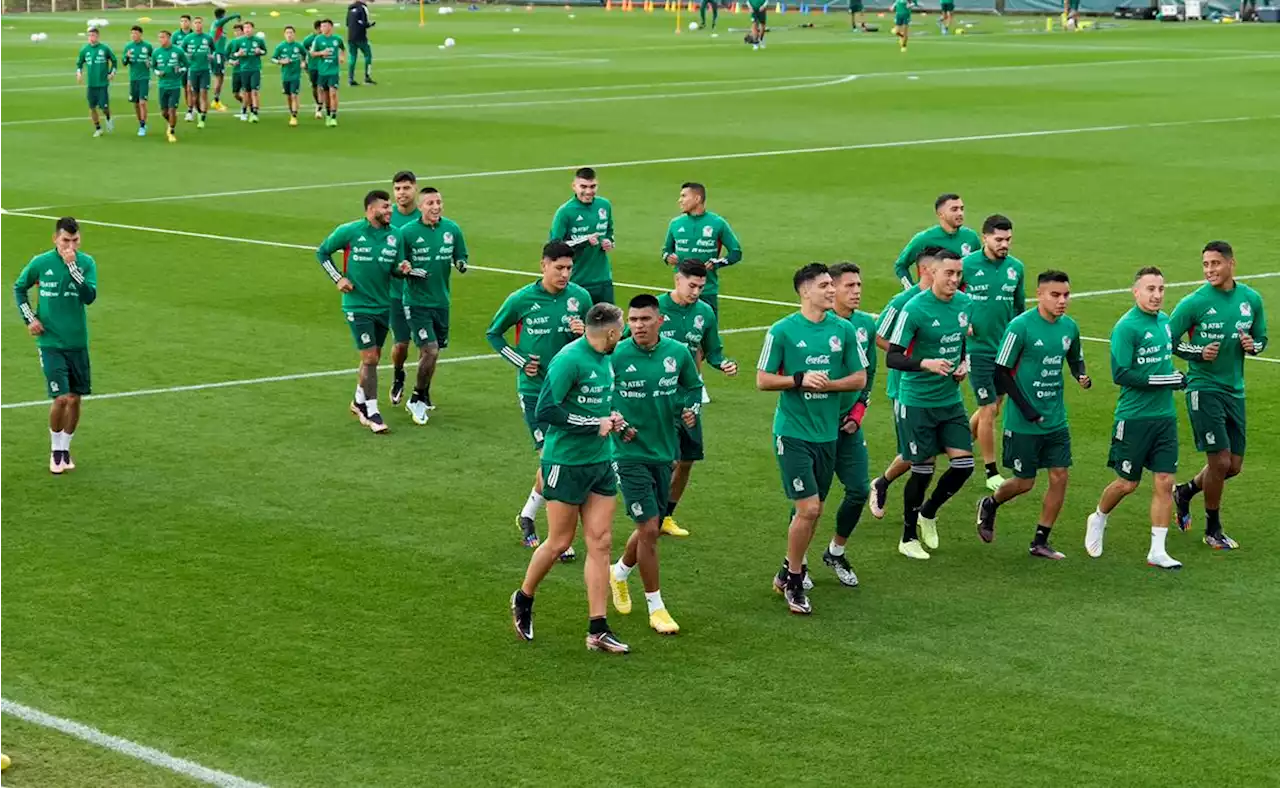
106	113
597	626
671	508
523	600
419	396
97	125
948	485
1042	534
399	376
795	581
1212	525
992	470
912	496
1190	488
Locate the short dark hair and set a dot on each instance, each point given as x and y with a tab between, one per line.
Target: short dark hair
556	250
248	23
322	21
644	301
691	268
428	190
603	314
807	274
945	254
1221	247
237	26
585	173
944	198
66	224
695	187
1147	270
996	221
404	175
1052	276
290	27
137	27
374	196
218	13
199	19
316	25
186	17
840	269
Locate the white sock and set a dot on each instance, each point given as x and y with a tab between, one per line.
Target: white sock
1099	513
359	395
66	440
55	440
371	406
835	549
532	505
1157	539
621	571
654	601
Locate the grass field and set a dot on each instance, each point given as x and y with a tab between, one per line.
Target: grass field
241	576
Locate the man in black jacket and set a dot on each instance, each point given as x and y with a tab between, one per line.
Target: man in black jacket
358	25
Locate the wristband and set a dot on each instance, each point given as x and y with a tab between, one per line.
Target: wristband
799	379
859	410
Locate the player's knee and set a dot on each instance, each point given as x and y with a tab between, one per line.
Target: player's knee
1163	485
371	356
430	351
809	509
962	466
857	494
649	531
1219	462
1235	466
1058	478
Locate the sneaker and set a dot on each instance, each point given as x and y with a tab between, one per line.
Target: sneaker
110	124
913	549
377	425
928	531
67	463
353	83
706	398
568	556
994	482
430	405
621	594
319	114
142	131
200	123
293	120
779	585
171	137
521	617
1045	551
369	81
671	528
1182	507
662	622
797	602
1163	561
253	118
608	643
879	495
55	462
1218	541
987	519
528	533
358	410
418	410
333	122
189	116
218	106
840	565
397	387
243	116
98	132
1094	529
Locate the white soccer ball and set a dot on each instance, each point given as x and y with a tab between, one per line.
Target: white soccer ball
448	42
693	25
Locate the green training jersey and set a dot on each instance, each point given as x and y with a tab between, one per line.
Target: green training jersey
577	394
695	325
171	64
247	51
218	32
884	329
1211	315
864	327
1142	365
290	55
902	8
573	223
198	48
63	298
702	238
652	387
998	291
758	5
929	327
178	36
399	220
327	65
137	56
963	242
435	249
797	344
1036	349
98	62
372	255
541	320
312	61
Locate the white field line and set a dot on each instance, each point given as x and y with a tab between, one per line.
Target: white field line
125	747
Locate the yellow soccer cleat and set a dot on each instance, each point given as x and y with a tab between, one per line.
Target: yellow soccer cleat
671	528
913	549
293	121
4	761
621	594
663	623
171	138
928	531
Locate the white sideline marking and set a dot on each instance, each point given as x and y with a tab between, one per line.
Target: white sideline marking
125	747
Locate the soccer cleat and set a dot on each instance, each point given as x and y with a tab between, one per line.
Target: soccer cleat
243	116
293	120
913	549
358	410
55	463
568	556
840	565
200	123
430	404
333	122
663	623
928	531
377	425
369	81
706	398
521	617
397	387
621	594
779	585
1094	529
110	124
98	132
1218	541
879	495
253	118
319	114
1045	551
1182	507
987	519
608	643
994	482
528	533
67	464
189	116
218	106
1163	561
171	137
418	410
142	131
353	83
806	582
797	602
671	528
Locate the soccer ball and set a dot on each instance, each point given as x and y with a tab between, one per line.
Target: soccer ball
693	25
448	42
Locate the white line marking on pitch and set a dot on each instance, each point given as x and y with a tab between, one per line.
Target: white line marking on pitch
125	747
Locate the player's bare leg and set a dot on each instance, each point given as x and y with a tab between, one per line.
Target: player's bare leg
1211	480
679	481
427	361
982	426
804	524
562	524
642	551
64	414
1161	511
367	391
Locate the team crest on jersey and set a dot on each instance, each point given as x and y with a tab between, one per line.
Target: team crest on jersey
669	364
1012	274
1017	465
1066	344
835	344
1245	310
965	248
391	241
572	305
603	214
797	484
964	319
699	321
637	509
422	333
707	232
862	336
448	238
1126	466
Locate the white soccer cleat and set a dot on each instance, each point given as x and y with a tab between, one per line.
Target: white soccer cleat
1163	561
189	116
98	132
418	410
928	531
1093	531
111	124
706	398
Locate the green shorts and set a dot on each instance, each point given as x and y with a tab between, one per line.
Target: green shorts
902	20
219	66
251	80
1144	443
897	426
712	300
855	6
139	89
291	87
97	97
852	465
428	324
199	80
313	76
947	8
327	81
65	371
237	81
982	377
646	488
1073	5
601	292
528	409
760	17
806	467
398	319
170	98
1026	453
691	447
926	432
369	330
1217	421
573	484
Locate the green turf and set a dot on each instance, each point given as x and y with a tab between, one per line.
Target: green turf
244	578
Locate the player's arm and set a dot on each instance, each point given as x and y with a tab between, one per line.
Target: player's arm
1257	332
460	254
712	346
769	376
86	279
508	315
1181	322
1124	371
1020	294
689	384
1075	360
21	287
337	240
112	63
669	247
855	361
1006	362
729	244
885	325
561	379
864	399
559	226
906	259
80	59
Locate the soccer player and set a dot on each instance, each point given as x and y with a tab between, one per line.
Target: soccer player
291	55
548	314
372	259
358	25
949	233
902	22
689	319
179	37
759	22
852	463
248	51
313	74
170	64
699	234
220	20
95	69
994	280
576	404
656	387
809	357
219	66
68	280
327	50
855	8
199	49
884	332
404	191
1029	368
702	13
137	56
585	222
435	246
1070	14
928	346
237	78
1226	321
1145	434
948	9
